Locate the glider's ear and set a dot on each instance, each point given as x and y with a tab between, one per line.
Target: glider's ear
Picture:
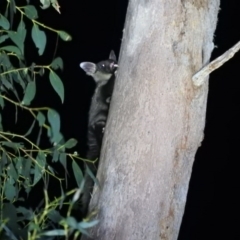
112	56
88	67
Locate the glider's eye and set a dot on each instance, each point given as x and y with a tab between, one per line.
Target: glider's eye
103	65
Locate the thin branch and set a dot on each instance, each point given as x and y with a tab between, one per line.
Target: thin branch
200	77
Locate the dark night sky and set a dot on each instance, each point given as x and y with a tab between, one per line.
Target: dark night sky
96	28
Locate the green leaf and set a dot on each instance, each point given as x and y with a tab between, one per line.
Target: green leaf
31	11
12	171
39	39
39	136
4	61
9	213
54	216
57	63
76	195
92	176
6	83
85	225
30	129
51	169
4	23
3	162
30	93
1	102
14	145
55	232
77	173
21	31
39	167
54	120
41	119
45	4
57	84
71	143
1	129
13	49
72	222
27	163
19	37
19	164
55	5
3	38
55	156
63	160
28	214
62	196
64	36
12	10
17	78
10	191
34	227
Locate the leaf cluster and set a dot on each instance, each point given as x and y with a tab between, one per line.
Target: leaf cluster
23	163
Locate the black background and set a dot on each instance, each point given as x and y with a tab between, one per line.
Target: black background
96	27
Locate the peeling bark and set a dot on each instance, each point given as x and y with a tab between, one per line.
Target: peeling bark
156	119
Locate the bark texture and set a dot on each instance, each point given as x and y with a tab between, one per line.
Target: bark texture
156	120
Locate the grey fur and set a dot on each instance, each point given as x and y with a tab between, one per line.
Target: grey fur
104	75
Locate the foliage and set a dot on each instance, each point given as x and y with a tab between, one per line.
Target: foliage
23	163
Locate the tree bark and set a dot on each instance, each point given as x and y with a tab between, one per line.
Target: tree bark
156	120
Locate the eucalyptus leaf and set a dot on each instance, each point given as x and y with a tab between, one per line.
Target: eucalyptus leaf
30	129
3	38
19	37
14	145
28	214
41	119
39	167
3	162
55	232
77	173
12	11
57	84
9	212
63	160
71	143
21	82
39	39
57	63
92	176
4	61
31	12
19	164
45	4
6	82
13	49
1	102
54	120
4	23
12	171
55	156
27	163
85	225
10	191
72	222
55	216
64	36
39	136
30	93
1	127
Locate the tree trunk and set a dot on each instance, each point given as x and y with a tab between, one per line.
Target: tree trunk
156	120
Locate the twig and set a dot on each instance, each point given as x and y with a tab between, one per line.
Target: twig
200	77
